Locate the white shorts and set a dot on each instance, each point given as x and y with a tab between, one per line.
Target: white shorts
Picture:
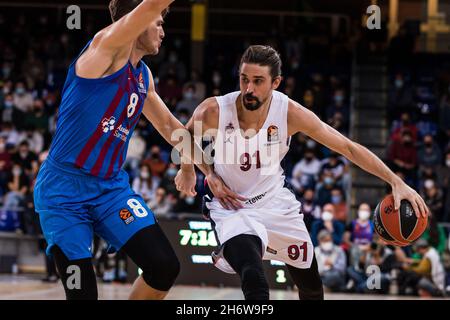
278	223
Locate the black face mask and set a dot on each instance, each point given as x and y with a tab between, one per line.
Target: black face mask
251	106
428	144
155	156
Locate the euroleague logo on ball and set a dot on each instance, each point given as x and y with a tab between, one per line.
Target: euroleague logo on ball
389	209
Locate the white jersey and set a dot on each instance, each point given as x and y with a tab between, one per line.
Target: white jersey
251	167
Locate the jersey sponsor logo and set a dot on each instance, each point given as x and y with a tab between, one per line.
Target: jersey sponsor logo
122	133
126	216
108	124
256	199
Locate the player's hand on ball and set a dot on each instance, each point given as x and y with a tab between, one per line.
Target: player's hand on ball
227	198
401	191
185	182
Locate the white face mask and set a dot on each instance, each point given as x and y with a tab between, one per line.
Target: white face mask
327	216
429	184
363	215
447	162
326	246
145	174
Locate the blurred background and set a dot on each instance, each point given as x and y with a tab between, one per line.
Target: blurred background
386	88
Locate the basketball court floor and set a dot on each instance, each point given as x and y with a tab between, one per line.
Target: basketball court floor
31	288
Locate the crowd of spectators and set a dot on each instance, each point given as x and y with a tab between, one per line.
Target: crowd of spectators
32	72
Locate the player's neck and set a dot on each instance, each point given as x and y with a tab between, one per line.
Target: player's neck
136	56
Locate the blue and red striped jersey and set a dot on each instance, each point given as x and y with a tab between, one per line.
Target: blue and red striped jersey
97	117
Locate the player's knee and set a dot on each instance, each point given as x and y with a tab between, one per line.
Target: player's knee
77	276
162	276
254	283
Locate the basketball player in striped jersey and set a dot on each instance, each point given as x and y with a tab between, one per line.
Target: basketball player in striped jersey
251	130
81	188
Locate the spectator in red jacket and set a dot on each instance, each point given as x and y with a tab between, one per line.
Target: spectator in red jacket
403	155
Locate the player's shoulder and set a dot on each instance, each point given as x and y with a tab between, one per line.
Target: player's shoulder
208	113
209	107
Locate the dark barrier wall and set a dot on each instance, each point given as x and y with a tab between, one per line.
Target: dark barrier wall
193	241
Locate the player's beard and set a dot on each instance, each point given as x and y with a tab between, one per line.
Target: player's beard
251	106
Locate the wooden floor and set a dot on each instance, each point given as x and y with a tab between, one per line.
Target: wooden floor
31	288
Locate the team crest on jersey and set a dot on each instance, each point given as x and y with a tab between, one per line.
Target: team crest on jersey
126	216
229	129
272	134
108	124
141	84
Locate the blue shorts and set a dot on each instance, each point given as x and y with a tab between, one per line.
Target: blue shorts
73	205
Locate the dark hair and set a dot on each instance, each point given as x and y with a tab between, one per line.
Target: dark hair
120	8
263	56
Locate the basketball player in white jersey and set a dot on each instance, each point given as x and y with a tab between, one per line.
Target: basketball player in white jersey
251	129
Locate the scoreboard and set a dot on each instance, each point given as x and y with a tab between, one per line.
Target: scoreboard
193	241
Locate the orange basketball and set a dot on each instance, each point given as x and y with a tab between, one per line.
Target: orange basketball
398	227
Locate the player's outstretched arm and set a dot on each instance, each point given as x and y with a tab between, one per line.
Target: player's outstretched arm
303	120
128	28
111	46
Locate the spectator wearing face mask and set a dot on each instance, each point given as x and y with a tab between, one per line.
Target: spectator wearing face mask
339	105
161	204
324	188
144	185
429	153
359	234
8	109
327	222
26	159
310	209
23	100
10	133
18	184
400	96
186	204
403	155
183	115
305	172
37	118
331	262
155	162
405	124
434	199
173	65
199	86
360	231
189	101
340	206
168	180
336	165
